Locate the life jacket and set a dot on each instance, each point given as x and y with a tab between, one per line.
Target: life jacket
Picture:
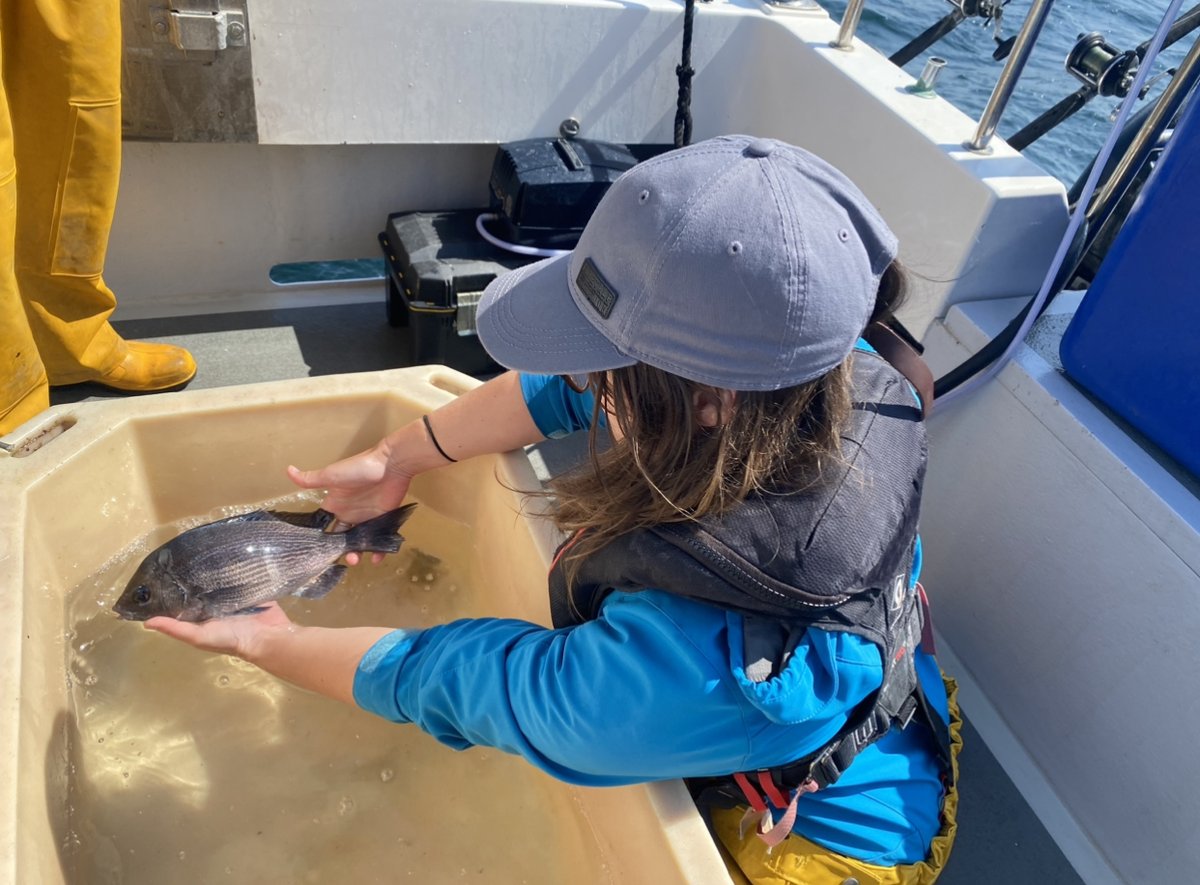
836	556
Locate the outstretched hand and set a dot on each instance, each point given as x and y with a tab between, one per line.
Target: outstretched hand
234	635
357	488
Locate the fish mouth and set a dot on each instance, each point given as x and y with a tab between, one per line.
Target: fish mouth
126	614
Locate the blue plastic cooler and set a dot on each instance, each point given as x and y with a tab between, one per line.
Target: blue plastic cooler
1134	343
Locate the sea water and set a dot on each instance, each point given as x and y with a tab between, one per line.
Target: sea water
189	767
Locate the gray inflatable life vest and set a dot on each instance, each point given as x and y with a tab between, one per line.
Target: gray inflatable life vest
836	556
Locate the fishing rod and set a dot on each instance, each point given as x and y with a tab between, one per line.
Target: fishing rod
1104	70
1136	135
988	10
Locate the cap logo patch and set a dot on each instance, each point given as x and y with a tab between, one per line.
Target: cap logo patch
599	294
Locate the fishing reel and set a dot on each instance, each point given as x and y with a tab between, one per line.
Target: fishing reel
1102	67
990	11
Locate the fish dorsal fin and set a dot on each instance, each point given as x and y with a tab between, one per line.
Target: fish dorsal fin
252	516
316	519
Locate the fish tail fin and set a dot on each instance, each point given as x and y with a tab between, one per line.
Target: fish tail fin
379	535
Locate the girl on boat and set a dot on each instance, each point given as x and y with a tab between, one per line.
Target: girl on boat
736	601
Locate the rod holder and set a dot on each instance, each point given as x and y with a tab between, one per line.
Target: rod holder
1007	81
925	83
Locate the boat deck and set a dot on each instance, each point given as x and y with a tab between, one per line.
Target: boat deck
1000	839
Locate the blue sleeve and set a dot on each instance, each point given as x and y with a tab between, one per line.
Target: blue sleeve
661	709
556	409
646	692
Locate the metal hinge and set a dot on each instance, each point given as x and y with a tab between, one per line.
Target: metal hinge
200	30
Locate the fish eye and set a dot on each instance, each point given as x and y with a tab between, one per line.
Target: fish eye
141	595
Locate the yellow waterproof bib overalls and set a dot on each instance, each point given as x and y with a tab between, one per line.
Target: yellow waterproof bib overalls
60	154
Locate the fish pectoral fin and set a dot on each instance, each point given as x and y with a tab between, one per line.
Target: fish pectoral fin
250	610
320	586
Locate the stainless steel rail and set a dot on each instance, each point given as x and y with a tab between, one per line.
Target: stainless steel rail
1009	76
850	19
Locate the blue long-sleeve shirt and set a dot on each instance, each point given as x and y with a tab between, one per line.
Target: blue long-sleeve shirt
655	688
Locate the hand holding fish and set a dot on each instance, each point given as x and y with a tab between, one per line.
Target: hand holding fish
320	659
360	487
229	636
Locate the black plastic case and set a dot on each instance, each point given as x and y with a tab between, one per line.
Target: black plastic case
438	266
545	190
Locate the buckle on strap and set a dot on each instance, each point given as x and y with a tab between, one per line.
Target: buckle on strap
823	770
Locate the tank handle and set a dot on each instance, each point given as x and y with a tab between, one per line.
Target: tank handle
452	382
38	436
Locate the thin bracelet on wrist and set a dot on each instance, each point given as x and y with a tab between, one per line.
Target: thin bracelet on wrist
433	439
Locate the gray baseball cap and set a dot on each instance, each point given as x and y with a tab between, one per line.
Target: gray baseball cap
744	263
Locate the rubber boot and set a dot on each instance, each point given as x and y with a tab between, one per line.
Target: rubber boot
62	69
23	388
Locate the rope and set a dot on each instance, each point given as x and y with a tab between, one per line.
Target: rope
684	71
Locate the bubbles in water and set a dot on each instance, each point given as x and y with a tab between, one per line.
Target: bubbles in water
427	587
345	806
91	679
428	577
386	775
424	609
414	579
183	855
222	679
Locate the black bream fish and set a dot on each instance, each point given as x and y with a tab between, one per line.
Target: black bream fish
235	565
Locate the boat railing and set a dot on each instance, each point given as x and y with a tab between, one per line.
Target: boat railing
1005	83
850	20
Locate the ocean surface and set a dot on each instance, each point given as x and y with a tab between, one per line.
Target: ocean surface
970	73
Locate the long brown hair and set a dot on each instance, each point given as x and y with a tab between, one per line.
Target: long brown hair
668	467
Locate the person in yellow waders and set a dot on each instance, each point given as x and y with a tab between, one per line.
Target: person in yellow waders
60	153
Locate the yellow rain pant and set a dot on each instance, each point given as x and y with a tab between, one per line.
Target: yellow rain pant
797	861
60	153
